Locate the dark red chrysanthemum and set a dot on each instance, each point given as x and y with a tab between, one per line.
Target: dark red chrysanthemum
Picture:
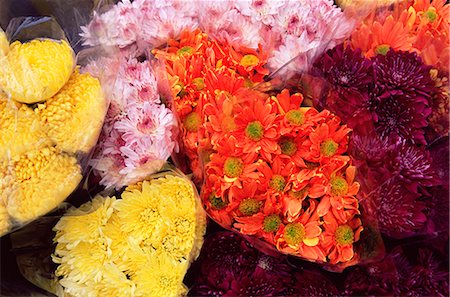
375	279
397	116
403	73
412	165
311	283
397	210
345	69
256	284
423	273
437	212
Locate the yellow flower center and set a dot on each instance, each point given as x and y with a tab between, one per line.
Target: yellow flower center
295	117
254	131
271	223
287	146
382	49
344	235
294	233
277	183
249	61
184	51
192	122
249	206
149	216
233	167
431	14
339	186
328	148
217	202
199	83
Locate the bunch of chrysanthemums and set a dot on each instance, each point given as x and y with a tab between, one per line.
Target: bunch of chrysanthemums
390	84
139	245
247	34
140	130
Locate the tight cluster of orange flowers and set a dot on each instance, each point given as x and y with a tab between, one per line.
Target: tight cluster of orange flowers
199	70
271	168
415	26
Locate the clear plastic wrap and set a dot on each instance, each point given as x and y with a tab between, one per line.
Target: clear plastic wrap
51	117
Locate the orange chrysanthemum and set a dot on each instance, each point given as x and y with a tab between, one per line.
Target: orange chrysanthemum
256	130
327	140
338	238
374	37
301	237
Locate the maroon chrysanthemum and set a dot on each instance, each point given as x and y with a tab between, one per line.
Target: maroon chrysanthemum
397	116
257	284
311	283
403	73
375	279
423	273
345	69
398	211
412	165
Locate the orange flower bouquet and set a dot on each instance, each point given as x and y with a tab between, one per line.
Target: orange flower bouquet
278	171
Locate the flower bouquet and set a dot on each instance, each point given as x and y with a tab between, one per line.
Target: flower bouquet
140	244
50	119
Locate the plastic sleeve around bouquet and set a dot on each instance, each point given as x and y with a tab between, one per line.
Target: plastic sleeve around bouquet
51	117
140	242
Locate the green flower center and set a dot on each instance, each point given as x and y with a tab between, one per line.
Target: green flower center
217	202
295	117
254	131
344	235
294	233
271	223
431	15
382	49
249	206
288	146
199	83
328	148
249	61
298	194
277	183
186	50
233	167
192	122
311	165
339	186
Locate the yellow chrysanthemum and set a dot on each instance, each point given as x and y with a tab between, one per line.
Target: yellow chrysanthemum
74	116
140	212
4	44
85	223
161	277
82	262
20	130
42	179
35	71
115	283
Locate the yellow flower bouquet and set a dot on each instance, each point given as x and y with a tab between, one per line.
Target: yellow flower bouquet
51	115
138	244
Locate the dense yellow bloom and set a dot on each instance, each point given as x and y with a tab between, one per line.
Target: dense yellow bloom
74	116
20	130
41	180
143	243
36	70
160	277
85	223
140	212
4	44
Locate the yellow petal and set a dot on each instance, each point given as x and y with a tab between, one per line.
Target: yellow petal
4	44
311	241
